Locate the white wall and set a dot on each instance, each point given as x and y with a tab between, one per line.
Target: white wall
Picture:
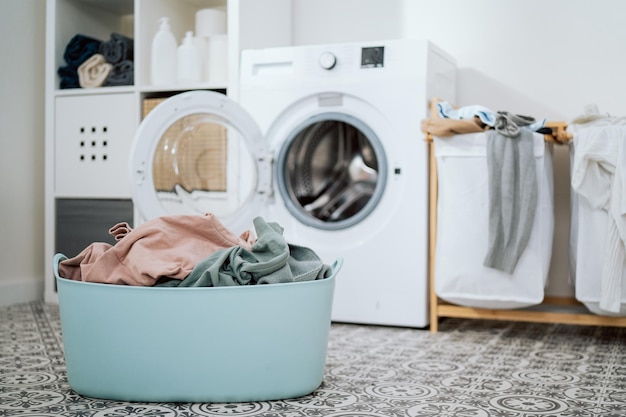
22	26
327	21
535	57
542	58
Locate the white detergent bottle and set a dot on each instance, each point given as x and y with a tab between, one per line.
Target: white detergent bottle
189	65
163	59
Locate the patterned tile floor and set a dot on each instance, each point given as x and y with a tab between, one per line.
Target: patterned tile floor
470	368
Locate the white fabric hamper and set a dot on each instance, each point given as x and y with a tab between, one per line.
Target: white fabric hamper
587	249
463	229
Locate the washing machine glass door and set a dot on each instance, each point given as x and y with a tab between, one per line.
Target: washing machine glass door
200	152
332	171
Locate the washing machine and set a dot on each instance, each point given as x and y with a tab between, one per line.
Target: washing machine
324	140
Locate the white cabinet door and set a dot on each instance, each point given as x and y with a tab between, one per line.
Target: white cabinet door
93	135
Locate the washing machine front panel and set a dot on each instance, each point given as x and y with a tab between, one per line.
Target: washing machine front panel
331	171
384	244
199	152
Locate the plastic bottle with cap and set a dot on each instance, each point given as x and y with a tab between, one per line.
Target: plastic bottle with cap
189	68
163	58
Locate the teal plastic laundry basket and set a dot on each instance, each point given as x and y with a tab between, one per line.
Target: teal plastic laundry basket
225	344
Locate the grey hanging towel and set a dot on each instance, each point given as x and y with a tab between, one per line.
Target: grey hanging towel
513	192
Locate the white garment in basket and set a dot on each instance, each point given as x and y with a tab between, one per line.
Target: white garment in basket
463	229
599	179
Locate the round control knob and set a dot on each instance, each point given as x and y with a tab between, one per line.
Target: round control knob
328	60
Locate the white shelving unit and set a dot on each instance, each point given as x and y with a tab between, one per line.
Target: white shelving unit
89	131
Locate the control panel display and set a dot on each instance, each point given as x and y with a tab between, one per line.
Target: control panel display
372	57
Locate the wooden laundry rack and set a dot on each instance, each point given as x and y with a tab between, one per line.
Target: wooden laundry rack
570	310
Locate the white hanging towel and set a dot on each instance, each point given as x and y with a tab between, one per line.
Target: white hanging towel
599	175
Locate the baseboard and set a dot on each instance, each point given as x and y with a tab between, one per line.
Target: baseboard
22	290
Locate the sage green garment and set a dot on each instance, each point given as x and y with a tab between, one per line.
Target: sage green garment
271	260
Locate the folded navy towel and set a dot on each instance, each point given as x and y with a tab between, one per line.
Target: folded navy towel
121	74
117	49
78	50
69	77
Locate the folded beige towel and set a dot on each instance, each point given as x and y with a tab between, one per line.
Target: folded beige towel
94	72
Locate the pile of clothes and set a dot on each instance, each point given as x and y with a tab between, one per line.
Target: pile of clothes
94	63
194	251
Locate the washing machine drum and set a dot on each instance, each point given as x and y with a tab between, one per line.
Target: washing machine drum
200	152
331	171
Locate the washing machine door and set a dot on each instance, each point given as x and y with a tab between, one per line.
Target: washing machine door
331	170
200	152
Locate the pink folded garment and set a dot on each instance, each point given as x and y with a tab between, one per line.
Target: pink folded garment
168	246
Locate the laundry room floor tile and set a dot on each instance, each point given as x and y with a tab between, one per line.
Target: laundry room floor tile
469	368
